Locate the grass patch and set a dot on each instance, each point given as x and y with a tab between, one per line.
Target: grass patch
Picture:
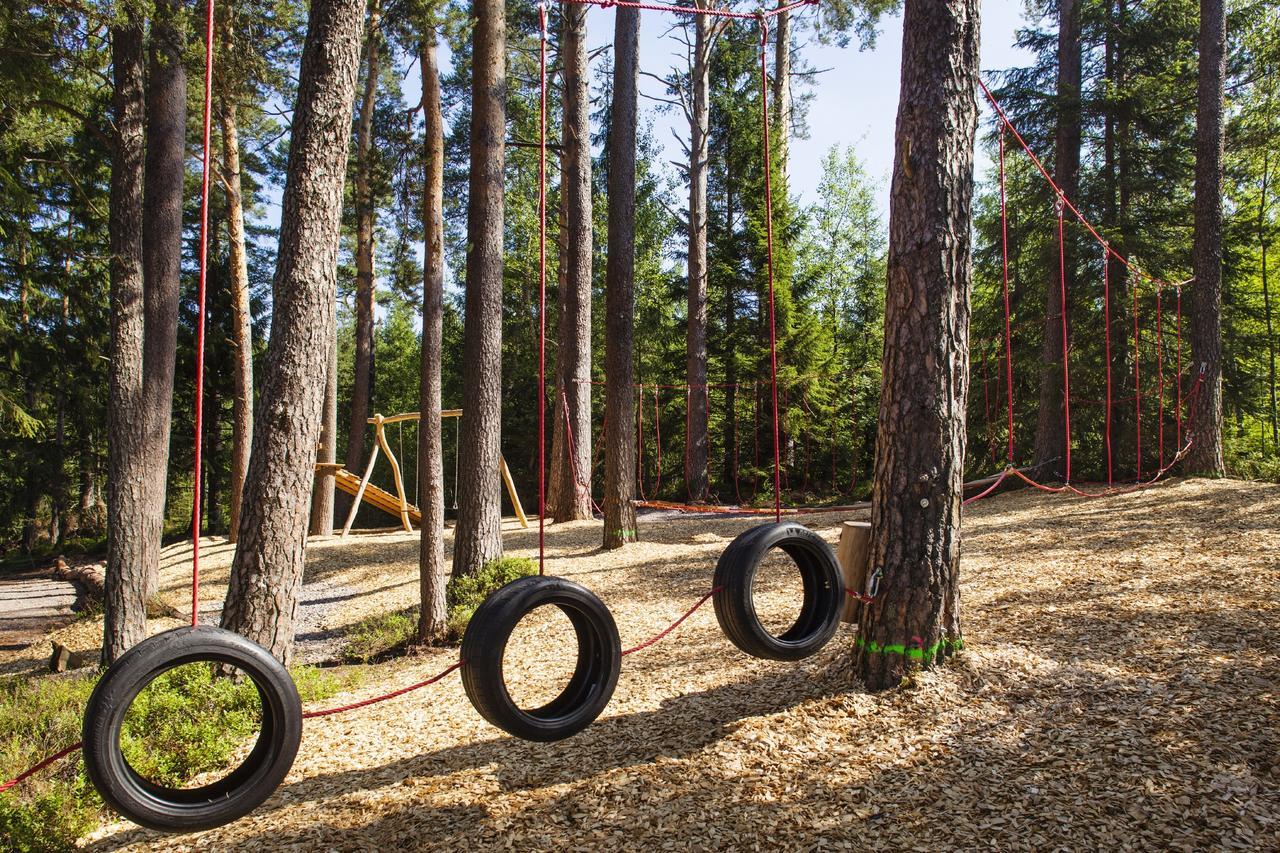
387	635
185	723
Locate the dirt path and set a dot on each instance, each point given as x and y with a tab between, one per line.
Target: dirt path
1119	689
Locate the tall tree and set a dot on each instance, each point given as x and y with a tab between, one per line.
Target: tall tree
697	446
1205	416
366	216
919	471
620	403
322	487
433	613
478	535
566	499
1051	437
266	573
124	614
241	315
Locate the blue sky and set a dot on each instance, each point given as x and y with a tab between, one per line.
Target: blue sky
854	103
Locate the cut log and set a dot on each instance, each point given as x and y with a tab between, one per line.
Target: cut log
855	545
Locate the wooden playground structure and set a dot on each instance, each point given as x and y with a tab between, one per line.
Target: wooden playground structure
398	504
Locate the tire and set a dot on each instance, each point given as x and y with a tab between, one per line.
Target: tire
823	592
231	797
594	677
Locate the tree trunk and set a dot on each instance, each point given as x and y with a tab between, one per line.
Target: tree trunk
573	364
1264	243
918	487
782	88
619	395
1205	416
696	443
322	488
362	383
161	260
124	582
1051	432
478	535
241	314
433	614
1116	214
266	574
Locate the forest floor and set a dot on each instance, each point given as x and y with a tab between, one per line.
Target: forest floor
1119	689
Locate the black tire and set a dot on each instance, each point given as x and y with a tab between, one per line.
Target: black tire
233	796
823	592
594	676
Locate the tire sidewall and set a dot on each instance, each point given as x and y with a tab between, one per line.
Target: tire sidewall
735	605
484	646
220	802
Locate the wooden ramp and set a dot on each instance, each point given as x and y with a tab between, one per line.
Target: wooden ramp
379	498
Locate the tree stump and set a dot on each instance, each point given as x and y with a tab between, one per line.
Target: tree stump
855	545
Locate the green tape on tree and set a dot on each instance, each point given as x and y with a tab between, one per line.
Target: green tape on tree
913	652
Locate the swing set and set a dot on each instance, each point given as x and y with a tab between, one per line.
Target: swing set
398	505
599	653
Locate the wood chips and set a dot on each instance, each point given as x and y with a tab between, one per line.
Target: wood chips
1118	691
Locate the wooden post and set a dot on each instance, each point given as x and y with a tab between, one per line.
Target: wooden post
511	491
855	545
381	436
355	502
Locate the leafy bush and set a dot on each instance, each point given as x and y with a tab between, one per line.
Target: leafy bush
466	592
184	723
375	637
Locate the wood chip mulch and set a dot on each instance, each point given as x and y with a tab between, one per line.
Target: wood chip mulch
1119	691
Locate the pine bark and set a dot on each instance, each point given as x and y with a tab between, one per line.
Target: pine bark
782	89
266	573
567	500
1205	415
620	403
918	487
1264	245
696	441
1051	434
124	592
432	573
322	488
164	171
478	535
362	382
241	313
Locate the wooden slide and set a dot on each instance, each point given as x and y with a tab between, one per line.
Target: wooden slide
376	497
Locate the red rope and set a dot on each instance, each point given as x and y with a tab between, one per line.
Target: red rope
676	624
36	768
640	443
198	458
572	452
311	715
657	426
1004	118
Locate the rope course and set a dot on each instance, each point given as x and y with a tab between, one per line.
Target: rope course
825	593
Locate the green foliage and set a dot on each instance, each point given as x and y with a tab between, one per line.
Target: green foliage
380	635
466	592
184	723
383	635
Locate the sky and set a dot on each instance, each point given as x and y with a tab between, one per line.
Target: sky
854	103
